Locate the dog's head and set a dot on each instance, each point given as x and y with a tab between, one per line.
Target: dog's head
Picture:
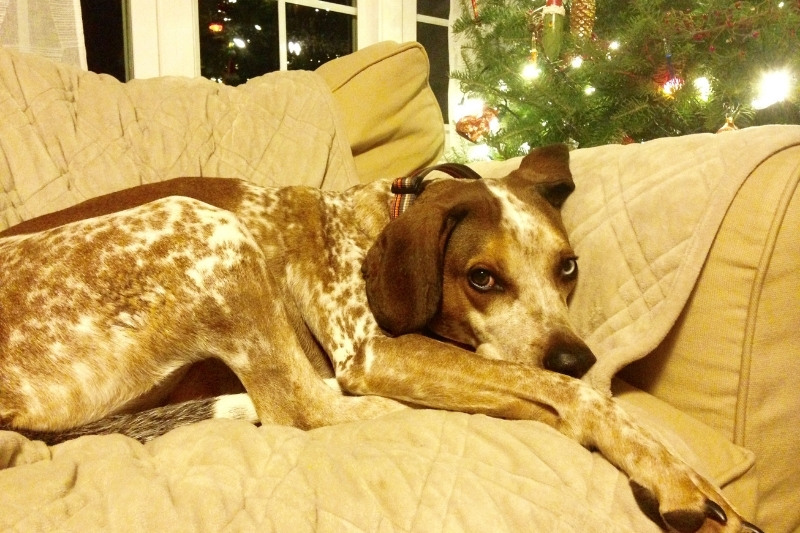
485	264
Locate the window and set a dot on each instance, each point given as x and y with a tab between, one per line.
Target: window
234	40
240	39
104	32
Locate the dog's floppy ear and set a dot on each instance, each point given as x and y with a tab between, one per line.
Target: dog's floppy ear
403	269
547	168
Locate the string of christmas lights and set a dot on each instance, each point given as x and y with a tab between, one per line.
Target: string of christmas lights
596	73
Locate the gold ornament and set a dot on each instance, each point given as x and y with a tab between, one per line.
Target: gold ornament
728	126
581	18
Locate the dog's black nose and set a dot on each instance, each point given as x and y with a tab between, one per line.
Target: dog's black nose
573	361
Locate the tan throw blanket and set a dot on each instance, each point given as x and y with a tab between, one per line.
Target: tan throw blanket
415	471
68	135
641	244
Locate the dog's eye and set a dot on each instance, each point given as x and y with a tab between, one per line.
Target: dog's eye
569	268
481	279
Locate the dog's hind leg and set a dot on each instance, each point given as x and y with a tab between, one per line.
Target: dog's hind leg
253	333
147	425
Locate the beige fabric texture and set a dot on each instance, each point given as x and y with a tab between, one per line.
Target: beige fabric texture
641	245
69	135
720	321
388	108
411	471
731	358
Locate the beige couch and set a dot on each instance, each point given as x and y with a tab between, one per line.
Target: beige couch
689	252
732	355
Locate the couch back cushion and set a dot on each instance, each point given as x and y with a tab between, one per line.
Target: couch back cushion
393	121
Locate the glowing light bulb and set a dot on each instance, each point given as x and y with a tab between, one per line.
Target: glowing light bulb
577	61
531	71
239	42
294	48
480	152
589	90
469	107
774	87
703	86
672	85
613	45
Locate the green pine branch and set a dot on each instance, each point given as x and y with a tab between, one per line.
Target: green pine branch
617	95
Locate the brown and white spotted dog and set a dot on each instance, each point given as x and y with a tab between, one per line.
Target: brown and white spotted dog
324	309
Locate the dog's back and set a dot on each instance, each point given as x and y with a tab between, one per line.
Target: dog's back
127	284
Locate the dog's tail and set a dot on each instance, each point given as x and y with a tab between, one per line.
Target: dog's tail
147	425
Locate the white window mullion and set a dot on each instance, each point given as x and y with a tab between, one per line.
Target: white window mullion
283	47
433	20
368	23
409	22
337	8
163	38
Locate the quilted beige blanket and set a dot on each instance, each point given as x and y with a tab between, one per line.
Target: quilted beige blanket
66	136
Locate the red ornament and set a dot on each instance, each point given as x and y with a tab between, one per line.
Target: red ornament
475	127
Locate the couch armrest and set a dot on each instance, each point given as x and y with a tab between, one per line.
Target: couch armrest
730	359
393	121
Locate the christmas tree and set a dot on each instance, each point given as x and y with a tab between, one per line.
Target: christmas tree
624	70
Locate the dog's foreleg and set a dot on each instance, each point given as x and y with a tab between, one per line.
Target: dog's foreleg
423	371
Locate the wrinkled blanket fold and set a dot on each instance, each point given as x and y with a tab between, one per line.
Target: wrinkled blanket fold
68	135
412	471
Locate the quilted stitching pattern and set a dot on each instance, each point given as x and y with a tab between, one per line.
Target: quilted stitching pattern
69	135
416	471
642	221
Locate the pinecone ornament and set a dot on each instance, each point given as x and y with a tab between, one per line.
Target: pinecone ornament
581	18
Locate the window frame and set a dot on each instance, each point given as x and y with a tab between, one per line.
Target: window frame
162	37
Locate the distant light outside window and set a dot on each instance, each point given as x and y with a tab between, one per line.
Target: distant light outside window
239	39
316	36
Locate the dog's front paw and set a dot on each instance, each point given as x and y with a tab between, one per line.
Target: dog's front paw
692	518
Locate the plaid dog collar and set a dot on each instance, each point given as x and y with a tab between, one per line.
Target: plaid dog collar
407	189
